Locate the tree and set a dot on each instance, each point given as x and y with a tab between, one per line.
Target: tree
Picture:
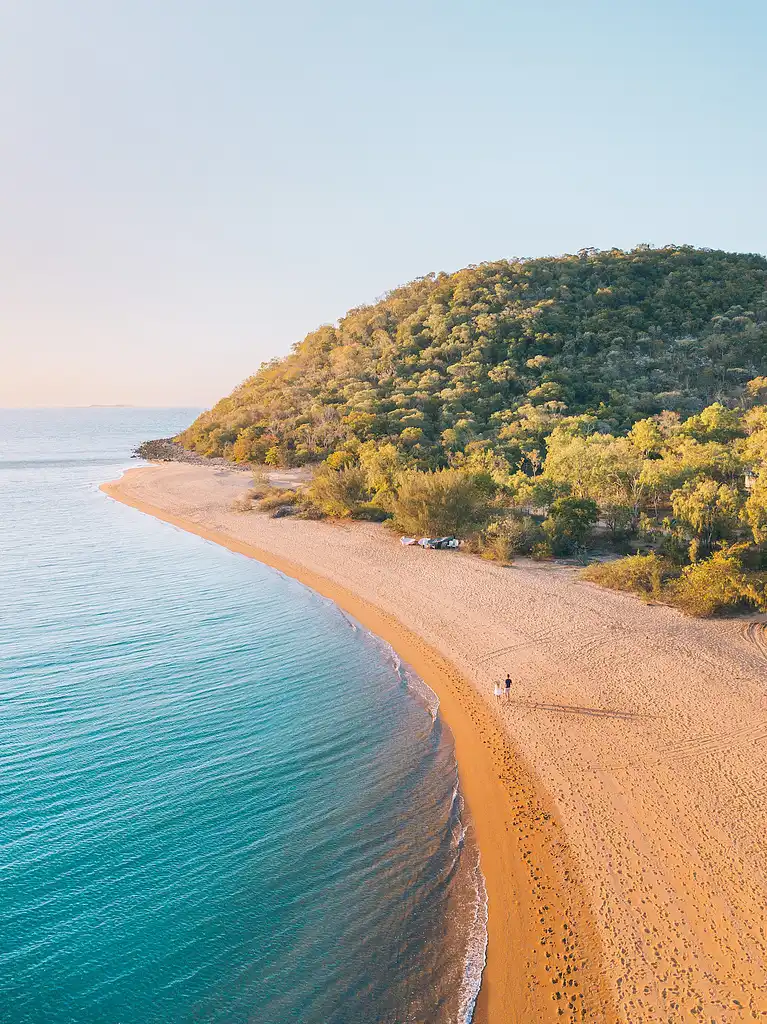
536	492
249	446
277	456
715	423
503	352
441	502
486	462
755	511
599	466
754	447
756	389
719	582
646	437
689	460
382	465
569	523
707	511
339	492
573	461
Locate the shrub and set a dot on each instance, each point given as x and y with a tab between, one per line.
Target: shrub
370	512
261	485
471	543
542	552
243	503
524	533
277	499
498	547
307	510
717	584
672	546
515	535
569	523
447	501
619	519
639	574
339	492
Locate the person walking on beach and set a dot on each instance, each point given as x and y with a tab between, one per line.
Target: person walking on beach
507	684
498	691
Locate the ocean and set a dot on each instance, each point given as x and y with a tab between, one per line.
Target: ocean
221	799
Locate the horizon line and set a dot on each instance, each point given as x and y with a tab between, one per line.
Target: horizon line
96	405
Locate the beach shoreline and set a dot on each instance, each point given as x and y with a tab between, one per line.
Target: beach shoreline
500	794
615	797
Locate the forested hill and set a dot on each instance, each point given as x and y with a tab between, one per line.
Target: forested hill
498	354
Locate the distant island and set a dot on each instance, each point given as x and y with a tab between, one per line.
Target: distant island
535	407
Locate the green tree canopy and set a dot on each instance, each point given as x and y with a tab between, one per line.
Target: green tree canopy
709	510
504	352
448	501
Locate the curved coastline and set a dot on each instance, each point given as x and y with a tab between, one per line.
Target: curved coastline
535	897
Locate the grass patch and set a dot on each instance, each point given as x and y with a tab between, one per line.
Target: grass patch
646	575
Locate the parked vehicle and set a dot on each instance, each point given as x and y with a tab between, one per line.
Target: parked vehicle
433	543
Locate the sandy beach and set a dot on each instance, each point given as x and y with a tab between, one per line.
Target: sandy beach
619	796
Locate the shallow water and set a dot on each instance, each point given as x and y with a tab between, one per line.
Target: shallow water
221	799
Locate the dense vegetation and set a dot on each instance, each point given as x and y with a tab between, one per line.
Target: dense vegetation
536	407
496	354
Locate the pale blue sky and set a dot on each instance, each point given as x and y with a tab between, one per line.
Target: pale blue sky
188	187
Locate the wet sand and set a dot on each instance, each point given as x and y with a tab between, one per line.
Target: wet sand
618	797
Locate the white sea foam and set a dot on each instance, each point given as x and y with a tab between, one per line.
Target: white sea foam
420	690
476	941
476	952
476	945
410	678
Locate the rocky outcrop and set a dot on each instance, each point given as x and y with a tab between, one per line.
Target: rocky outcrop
165	449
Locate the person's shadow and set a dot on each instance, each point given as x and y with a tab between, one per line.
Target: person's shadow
576	709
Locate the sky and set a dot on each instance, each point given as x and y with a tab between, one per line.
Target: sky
188	187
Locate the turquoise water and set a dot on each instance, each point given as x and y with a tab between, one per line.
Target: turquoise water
221	800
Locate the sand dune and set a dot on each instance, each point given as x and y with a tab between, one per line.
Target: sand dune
633	757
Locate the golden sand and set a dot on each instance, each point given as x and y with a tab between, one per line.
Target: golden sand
618	798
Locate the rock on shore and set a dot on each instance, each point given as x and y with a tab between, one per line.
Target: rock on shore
165	449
